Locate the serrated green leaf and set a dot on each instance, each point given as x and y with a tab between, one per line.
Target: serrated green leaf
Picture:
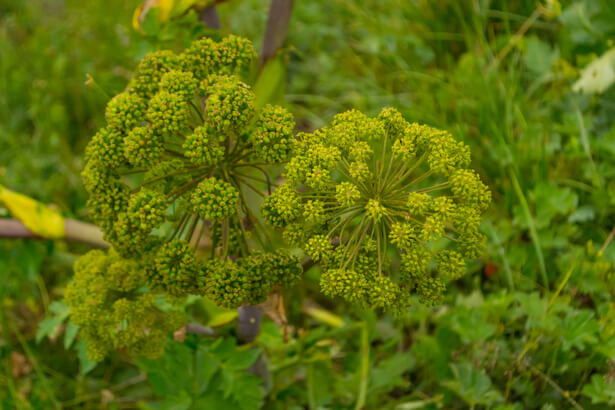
472	385
579	328
599	390
242	359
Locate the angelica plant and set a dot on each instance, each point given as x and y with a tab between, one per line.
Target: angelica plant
183	146
108	303
388	209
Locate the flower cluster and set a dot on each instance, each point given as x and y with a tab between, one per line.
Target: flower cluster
183	146
107	303
388	208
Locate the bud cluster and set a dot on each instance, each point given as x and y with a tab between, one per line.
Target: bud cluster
388	208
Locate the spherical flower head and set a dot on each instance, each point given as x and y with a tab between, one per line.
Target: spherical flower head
232	55
108	195
107	147
104	206
430	290
466	219
285	269
97	178
382	292
146	79
175	270
402	235
125	111
346	193
225	284
383	190
107	302
294	235
258	276
345	283
322	156
318	247
168	113
179	82
446	155
147	209
472	244
314	211
273	133
433	228
125	233
415	261
230	103
469	189
406	147
359	171
360	151
318	178
375	210
215	199
236	54
419	203
352	126
202	147
393	122
281	207
200	58
451	264
143	147
125	275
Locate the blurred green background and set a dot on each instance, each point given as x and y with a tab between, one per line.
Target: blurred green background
531	326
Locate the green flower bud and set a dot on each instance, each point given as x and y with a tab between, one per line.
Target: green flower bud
142	147
125	111
214	199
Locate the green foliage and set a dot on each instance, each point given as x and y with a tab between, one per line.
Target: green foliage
498	340
204	374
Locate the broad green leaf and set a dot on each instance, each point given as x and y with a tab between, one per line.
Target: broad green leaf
472	385
242	359
471	324
180	401
389	371
539	57
50	325
579	328
599	390
271	82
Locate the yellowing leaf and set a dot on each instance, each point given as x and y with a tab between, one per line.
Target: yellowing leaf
37	217
324	316
168	9
216	315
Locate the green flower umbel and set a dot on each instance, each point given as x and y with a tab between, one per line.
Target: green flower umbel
184	145
113	312
388	208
